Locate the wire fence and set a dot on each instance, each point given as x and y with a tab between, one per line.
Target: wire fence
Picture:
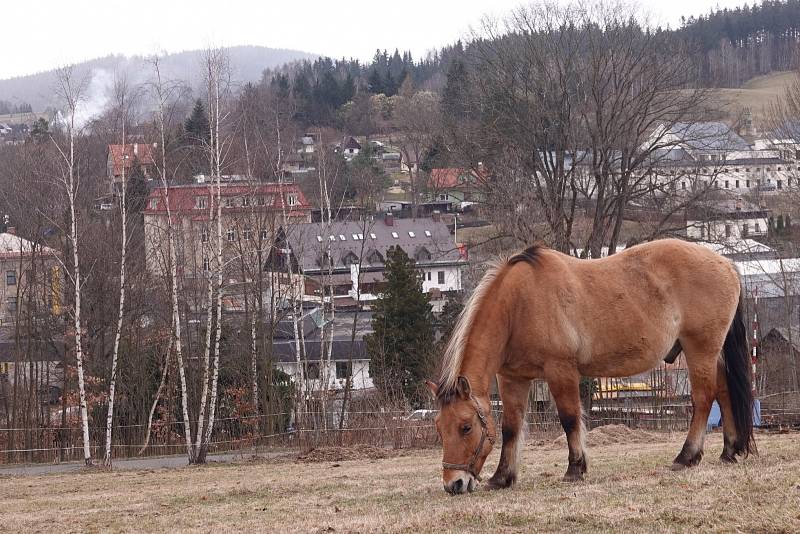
380	428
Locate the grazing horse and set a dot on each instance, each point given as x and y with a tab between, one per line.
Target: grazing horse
543	314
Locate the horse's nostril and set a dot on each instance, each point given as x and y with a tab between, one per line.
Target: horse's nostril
458	485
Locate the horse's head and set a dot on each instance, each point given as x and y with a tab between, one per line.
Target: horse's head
467	430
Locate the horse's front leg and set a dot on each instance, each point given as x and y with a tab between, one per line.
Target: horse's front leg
514	394
564	384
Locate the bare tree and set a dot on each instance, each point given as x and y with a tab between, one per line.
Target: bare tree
70	90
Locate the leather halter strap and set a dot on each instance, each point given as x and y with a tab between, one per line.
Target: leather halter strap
470	467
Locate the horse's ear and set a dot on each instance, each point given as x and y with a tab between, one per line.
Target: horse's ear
463	388
433	387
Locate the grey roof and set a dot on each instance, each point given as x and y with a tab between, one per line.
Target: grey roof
341	332
784	333
310	241
708	136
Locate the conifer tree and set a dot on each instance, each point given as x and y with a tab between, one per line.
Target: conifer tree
400	348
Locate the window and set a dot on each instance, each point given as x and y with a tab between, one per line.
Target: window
683	185
355	237
342	237
702	232
361	237
199	203
246	202
440	275
443	197
411	234
11	278
737	184
247	233
265	234
332	237
261	201
779	183
758	182
11	304
427	233
319	239
343	370
312	371
204	236
395	235
727	184
373	236
231	234
206	264
747	183
291	199
428	276
727	230
758	228
745	229
153	203
230	202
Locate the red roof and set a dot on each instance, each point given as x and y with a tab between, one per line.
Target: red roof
447	178
184	198
134	152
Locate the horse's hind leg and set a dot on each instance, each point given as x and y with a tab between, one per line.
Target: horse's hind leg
728	425
514	394
702	363
564	385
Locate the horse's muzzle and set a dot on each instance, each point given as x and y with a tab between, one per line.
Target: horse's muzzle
464	483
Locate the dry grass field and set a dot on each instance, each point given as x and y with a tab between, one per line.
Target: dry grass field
758	94
629	488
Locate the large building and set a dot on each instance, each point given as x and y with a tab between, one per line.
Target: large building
252	213
351	256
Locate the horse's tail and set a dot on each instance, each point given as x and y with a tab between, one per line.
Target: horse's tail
739	377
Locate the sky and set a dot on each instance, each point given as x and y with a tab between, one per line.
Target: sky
49	33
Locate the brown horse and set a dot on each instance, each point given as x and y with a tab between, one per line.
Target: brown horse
542	314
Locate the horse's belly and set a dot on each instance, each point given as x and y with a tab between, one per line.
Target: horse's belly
627	360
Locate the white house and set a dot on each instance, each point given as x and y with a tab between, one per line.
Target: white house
718	220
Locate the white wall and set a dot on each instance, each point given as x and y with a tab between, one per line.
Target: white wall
715	230
360	379
452	278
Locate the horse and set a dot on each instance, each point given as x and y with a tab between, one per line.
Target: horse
543	314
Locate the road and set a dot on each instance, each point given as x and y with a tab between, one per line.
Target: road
153	462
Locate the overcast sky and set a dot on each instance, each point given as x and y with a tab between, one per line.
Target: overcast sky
42	34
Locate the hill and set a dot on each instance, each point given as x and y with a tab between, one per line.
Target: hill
757	94
248	62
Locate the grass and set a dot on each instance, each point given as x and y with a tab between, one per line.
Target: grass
757	94
628	487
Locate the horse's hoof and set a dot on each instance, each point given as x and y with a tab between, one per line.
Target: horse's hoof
728	459
677	466
499	483
573	477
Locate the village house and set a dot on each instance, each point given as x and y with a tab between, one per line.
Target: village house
131	157
779	359
252	212
715	220
455	186
349	356
349	148
351	256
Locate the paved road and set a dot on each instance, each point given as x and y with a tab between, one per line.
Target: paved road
155	462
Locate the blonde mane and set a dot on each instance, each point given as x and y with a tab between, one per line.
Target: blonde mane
454	353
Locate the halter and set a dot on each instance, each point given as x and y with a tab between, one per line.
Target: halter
470	467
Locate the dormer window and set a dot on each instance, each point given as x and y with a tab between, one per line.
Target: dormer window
230	202
291	199
350	258
427	233
153	203
342	237
395	235
200	203
411	234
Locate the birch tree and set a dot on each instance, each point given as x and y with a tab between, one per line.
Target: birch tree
71	91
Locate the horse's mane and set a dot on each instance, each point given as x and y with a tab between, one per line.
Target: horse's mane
454	353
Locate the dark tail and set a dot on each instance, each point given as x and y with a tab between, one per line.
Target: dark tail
739	377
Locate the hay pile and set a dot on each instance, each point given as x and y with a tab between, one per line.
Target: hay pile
613	435
339	454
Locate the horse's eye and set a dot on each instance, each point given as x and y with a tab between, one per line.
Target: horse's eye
466	428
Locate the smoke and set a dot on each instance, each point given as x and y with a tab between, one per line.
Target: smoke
97	96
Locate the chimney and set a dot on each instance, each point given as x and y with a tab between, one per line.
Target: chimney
11	230
738	204
389	219
436	216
